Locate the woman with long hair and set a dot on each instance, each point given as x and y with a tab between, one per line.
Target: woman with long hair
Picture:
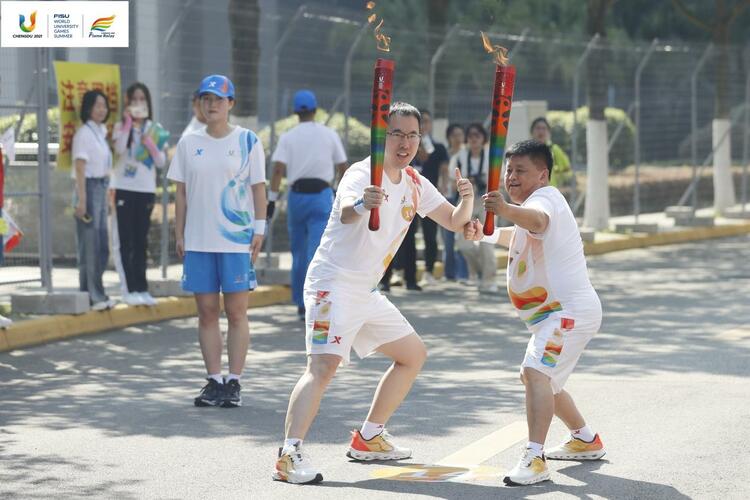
140	145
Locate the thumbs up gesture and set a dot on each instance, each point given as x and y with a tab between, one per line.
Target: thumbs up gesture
463	186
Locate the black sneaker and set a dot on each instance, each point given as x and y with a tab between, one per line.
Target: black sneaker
301	313
232	398
212	394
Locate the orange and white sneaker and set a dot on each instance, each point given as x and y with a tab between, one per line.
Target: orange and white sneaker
531	469
578	449
295	467
381	447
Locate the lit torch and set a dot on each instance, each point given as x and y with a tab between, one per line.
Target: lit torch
502	98
382	86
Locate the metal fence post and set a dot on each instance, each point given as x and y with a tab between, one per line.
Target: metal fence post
694	120
746	142
637	153
348	83
433	67
275	71
574	138
45	213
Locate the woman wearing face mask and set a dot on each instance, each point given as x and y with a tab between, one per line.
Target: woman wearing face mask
473	162
454	262
139	143
93	163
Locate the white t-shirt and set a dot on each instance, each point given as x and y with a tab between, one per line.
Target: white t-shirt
310	150
218	174
130	174
352	257
90	144
193	126
547	272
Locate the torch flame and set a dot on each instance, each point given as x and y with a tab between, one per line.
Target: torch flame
499	53
383	40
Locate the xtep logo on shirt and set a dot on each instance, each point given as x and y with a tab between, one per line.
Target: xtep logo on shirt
231	152
22	22
199	152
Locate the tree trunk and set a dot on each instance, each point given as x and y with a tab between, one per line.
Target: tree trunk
596	209
436	29
244	25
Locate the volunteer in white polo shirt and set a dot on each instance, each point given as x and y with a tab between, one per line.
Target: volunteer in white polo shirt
311	155
93	165
220	222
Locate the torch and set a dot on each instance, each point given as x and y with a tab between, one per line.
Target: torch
382	85
381	103
502	98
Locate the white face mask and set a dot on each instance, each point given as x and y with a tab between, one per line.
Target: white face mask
139	111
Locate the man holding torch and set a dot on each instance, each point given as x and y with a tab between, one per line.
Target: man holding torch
343	305
549	287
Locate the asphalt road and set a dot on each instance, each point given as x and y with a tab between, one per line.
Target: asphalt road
666	383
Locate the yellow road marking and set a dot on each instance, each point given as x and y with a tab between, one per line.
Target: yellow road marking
487	447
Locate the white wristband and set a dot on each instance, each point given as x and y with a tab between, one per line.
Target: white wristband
273	195
259	227
491	238
359	206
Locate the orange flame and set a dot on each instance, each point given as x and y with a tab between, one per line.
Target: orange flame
499	53
383	40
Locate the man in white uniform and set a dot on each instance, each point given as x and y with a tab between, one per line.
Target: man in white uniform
549	286
345	309
311	155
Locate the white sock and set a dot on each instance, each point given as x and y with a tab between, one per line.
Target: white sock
232	376
537	448
217	377
584	433
370	430
290	443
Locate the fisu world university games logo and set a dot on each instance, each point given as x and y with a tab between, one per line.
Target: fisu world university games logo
22	22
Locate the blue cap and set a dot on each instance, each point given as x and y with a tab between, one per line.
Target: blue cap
304	100
217	84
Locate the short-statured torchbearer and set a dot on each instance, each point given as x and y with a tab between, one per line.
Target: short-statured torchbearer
549	287
343	305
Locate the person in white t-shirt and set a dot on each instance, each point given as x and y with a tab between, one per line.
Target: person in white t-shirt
220	223
311	156
474	163
549	287
92	158
345	309
140	144
198	121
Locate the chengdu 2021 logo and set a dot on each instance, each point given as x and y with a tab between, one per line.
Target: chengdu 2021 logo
100	28
22	22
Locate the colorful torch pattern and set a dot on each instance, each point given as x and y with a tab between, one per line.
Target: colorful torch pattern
381	104
502	98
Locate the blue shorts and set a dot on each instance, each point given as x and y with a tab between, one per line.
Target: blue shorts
214	272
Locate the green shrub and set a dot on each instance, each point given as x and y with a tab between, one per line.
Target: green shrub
621	154
28	132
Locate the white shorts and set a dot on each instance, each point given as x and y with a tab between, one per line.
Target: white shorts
336	322
556	345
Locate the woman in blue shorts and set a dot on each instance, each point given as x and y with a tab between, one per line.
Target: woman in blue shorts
220	222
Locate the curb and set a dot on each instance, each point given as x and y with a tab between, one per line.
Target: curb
58	327
48	329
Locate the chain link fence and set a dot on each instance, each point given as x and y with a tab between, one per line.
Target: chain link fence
660	100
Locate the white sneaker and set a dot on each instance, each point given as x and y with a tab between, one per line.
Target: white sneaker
102	306
294	466
427	279
133	299
5	322
380	447
489	289
530	469
147	299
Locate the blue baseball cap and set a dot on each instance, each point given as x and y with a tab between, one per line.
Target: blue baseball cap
219	85
304	100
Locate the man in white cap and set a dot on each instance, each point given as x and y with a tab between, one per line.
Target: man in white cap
311	156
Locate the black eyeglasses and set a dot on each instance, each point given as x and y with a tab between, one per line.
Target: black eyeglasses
400	136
